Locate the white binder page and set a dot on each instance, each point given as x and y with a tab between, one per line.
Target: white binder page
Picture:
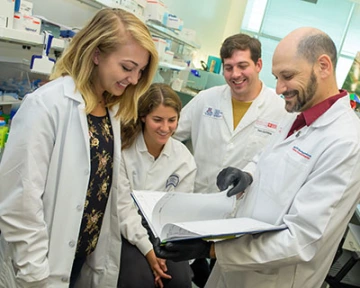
183	207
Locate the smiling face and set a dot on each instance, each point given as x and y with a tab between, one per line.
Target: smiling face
242	75
114	72
296	79
159	125
297	100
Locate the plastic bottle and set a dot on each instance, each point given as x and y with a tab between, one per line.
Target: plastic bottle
3	131
184	75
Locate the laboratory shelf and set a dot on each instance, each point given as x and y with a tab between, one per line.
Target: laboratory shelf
171	66
153	26
27	38
169	33
8	100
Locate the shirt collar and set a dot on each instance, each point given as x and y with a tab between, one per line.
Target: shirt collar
313	113
142	145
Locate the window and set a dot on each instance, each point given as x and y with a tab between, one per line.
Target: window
271	20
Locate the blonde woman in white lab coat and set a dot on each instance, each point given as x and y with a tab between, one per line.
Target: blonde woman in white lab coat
153	160
60	203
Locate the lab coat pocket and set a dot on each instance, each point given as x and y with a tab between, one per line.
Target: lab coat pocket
280	178
256	143
250	279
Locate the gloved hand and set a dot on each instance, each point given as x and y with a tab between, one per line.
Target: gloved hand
147	227
233	176
183	250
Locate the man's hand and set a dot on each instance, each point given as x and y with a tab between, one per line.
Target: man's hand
183	250
233	176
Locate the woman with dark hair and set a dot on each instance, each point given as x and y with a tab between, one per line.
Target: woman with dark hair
153	160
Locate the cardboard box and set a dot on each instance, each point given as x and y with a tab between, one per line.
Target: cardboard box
155	10
7	13
26	8
142	3
27	23
172	21
168	56
160	45
188	34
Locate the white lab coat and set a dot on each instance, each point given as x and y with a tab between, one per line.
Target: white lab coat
208	121
309	181
44	176
174	169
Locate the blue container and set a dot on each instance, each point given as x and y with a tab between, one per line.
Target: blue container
214	64
17	5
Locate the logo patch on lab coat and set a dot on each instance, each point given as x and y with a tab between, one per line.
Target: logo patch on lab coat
265	126
301	153
213	113
173	180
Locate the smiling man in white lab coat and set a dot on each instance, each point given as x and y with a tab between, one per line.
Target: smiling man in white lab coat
307	178
229	124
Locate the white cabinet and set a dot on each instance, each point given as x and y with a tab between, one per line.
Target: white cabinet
26	38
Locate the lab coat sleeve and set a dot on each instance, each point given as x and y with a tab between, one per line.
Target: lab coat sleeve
130	220
23	172
183	131
251	166
317	212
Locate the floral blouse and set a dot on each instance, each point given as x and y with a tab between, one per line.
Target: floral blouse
101	157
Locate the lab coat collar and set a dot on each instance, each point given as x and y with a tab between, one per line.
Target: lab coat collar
141	146
70	89
260	99
71	92
333	112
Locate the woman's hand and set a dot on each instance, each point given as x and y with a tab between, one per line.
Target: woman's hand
158	267
162	264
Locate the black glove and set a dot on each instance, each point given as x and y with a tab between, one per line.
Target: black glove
233	176
147	227
183	250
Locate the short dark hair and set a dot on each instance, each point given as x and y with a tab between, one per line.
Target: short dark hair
242	42
312	46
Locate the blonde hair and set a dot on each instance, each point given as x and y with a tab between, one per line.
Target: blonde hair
158	94
109	29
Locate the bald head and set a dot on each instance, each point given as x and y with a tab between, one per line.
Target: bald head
304	66
308	43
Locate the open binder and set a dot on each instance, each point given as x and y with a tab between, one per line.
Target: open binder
174	216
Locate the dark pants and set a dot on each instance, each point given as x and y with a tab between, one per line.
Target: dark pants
76	269
135	271
201	270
